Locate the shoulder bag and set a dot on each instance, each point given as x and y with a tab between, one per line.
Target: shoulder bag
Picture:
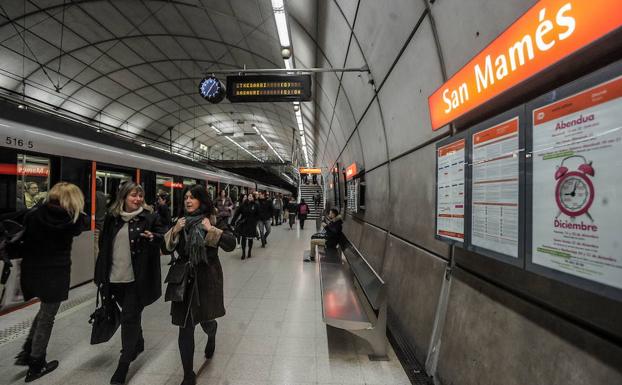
177	279
105	319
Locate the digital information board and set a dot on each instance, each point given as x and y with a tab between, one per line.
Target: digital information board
450	178
269	88
577	182
495	183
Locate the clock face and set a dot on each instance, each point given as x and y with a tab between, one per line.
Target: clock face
574	194
211	89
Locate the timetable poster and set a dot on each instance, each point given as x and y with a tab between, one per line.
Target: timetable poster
450	191
577	184
495	184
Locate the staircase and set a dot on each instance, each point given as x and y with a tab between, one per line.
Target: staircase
307	192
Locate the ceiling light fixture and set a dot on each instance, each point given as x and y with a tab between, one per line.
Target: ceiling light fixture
281	22
215	129
238	144
268	143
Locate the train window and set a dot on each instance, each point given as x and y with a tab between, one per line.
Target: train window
108	183
233	193
165	185
33	180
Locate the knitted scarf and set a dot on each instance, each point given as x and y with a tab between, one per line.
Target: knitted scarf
195	238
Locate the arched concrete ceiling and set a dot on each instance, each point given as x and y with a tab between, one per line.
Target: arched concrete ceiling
135	66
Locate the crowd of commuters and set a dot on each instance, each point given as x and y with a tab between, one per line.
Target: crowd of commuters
131	236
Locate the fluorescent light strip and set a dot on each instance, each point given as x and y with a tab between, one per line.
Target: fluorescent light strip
281	22
268	143
238	144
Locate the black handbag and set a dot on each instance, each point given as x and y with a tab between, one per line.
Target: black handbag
177	279
105	319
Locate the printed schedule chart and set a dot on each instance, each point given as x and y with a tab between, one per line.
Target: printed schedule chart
495	188
450	191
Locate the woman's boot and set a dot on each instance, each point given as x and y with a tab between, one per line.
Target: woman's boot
189	379
118	378
37	368
243	253
210	329
21	359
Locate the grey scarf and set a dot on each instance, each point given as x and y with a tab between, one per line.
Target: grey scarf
195	239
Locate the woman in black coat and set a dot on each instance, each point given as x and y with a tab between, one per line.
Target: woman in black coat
196	239
46	268
245	220
128	267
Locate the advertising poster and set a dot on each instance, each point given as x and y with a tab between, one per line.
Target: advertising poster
577	185
495	187
450	191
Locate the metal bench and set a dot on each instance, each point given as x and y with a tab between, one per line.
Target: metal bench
354	297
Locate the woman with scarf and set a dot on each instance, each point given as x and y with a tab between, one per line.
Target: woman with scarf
128	267
196	239
246	226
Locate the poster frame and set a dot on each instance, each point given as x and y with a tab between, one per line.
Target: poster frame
443	142
518	112
593	79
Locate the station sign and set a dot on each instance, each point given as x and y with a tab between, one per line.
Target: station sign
170	184
547	33
23	170
306	170
269	88
351	171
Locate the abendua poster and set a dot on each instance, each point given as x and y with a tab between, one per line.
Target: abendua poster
577	184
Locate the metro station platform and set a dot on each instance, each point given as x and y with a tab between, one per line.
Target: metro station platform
273	332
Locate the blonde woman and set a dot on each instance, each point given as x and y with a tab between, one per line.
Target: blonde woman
46	268
128	267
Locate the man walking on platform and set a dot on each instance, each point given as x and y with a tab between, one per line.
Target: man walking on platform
265	217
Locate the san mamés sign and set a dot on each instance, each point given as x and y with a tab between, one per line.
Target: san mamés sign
550	31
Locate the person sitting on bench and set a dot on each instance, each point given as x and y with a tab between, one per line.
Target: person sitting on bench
330	234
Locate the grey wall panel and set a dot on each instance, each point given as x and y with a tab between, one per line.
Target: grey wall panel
372	246
344	115
491	335
464	30
414	279
329	83
333	33
382	30
404	97
600	312
348	7
413	199
356	84
377	203
371	132
352	229
353	152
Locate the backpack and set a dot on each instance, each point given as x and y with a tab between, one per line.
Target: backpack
303	209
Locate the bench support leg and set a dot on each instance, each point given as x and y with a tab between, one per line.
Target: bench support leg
377	337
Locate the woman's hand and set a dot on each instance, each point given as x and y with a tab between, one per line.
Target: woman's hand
206	224
147	234
179	225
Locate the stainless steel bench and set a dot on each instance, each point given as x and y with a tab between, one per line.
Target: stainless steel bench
354	297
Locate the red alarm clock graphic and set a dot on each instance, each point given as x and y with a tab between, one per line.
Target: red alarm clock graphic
574	192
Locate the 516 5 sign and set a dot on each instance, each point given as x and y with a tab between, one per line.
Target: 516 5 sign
18	142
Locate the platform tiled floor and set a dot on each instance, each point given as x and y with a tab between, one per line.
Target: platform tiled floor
272	334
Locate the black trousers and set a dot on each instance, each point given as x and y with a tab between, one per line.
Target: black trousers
186	342
126	296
